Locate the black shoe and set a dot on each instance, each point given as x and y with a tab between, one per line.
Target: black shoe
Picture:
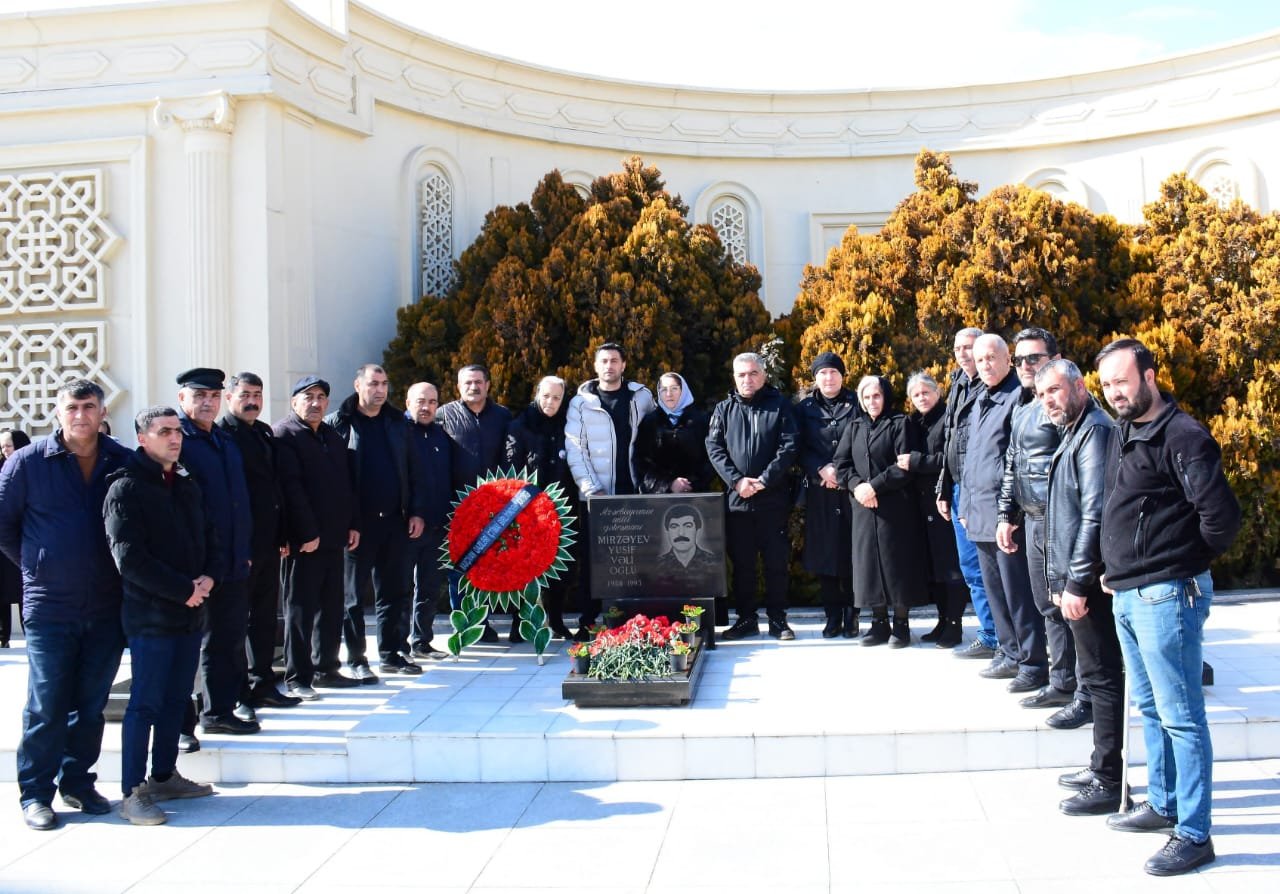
1048	697
1141	817
932	635
428	652
583	635
878	634
514	636
850	624
559	631
1074	715
900	637
781	630
952	635
270	697
188	743
1025	682
834	626
395	663
333	680
88	802
230	725
1092	800
363	674
747	625
1077	780
246	713
976	649
39	817
1180	855
489	635
1000	668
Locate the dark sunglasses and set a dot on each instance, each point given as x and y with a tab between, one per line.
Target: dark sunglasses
1029	359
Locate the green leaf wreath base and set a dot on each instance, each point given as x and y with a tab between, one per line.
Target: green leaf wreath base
475	605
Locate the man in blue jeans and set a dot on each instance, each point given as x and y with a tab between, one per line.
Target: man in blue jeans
51	494
1167	514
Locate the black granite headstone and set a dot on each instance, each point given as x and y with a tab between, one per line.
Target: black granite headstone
657	545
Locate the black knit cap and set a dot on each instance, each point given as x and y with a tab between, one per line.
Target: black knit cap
827	360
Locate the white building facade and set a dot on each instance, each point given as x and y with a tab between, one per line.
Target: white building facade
254	184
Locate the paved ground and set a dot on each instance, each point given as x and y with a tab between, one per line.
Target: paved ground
991	832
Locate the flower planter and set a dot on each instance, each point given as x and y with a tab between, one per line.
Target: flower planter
680	662
673	690
581	664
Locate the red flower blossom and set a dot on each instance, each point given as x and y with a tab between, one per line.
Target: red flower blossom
526	549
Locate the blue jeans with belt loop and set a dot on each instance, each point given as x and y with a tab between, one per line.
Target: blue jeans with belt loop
1161	630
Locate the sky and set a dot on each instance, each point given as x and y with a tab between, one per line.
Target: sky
769	45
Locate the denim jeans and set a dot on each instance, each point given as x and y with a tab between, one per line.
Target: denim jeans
158	695
972	572
1161	630
71	666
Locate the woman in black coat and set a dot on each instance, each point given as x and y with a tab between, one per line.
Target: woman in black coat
887	534
11	441
535	442
822	418
671	442
946	584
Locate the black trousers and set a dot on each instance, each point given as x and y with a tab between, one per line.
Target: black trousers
1019	624
264	602
949	598
380	558
1061	644
1102	673
312	614
222	658
763	534
424	578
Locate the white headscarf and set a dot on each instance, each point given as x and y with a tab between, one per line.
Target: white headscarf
686	397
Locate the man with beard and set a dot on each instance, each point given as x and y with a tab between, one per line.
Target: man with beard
1073	565
1020	627
239	419
752	445
1032	443
1168	513
423	575
965	388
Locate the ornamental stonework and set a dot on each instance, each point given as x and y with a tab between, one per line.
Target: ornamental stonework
729	218
437	233
37	358
54	242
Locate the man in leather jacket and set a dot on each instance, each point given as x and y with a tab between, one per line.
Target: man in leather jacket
1032	442
1073	567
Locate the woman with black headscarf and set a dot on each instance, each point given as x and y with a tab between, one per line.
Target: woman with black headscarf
11	441
888	555
671	443
535	442
822	419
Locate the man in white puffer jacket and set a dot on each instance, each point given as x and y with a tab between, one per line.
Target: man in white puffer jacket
600	436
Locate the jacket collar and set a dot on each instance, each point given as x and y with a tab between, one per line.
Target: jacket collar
1129	432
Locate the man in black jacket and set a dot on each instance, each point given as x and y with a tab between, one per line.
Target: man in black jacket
964	389
254	438
378	438
164	543
752	445
321	515
1019	626
1032	442
1072	568
1167	514
423	575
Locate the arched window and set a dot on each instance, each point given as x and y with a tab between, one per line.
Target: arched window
729	217
435	201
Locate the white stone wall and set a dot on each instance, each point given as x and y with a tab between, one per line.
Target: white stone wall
247	181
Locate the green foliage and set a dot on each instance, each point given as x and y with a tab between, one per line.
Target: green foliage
1199	284
548	280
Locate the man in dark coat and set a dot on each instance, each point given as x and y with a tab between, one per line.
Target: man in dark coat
164	544
379	440
51	494
1019	625
423	575
210	455
1168	512
752	445
821	419
254	438
321	516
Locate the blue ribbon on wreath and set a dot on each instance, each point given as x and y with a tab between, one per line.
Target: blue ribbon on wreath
497	525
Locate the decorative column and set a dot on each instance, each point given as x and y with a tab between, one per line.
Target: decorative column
207	122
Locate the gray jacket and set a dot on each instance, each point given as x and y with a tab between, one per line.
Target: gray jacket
589	438
990	422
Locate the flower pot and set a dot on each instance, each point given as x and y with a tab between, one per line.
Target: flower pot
680	663
689	638
581	664
693	619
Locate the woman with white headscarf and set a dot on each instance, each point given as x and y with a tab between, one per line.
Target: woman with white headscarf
671	444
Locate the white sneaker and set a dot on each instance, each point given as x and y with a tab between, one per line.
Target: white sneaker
306	693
